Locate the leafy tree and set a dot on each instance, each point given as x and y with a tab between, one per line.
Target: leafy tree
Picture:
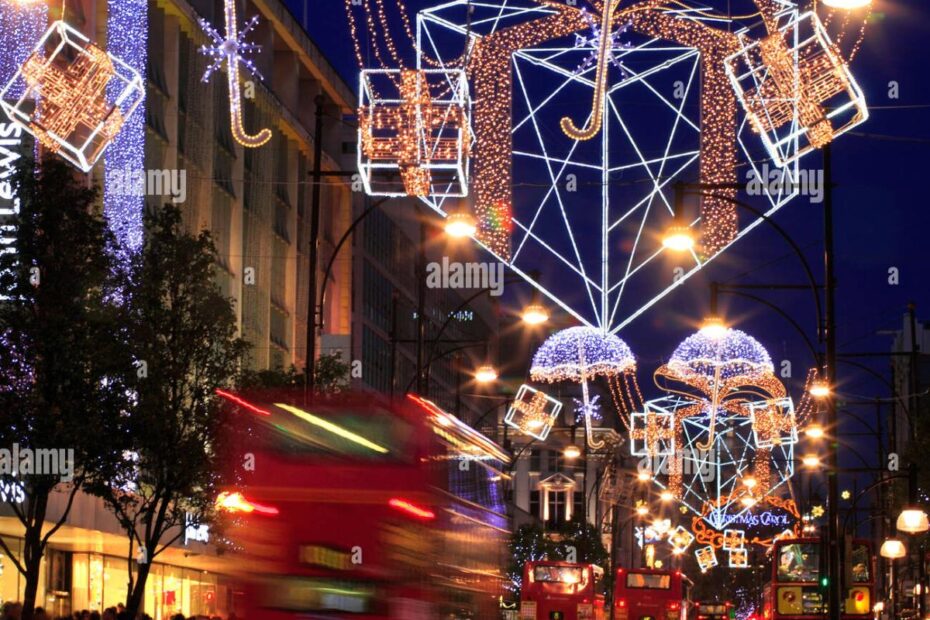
331	373
59	359
181	332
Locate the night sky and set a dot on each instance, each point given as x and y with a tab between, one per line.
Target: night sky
882	217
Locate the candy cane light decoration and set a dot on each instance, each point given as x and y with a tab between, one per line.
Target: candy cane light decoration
232	50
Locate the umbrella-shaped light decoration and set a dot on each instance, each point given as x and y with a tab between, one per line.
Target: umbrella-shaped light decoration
581	354
717	362
733	426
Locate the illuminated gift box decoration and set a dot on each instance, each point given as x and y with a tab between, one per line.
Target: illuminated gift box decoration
739	558
773	422
414	137
733	540
82	95
533	412
680	539
796	89
706	557
652	432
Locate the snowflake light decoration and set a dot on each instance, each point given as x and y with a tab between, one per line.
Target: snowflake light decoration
593	43
592	409
232	50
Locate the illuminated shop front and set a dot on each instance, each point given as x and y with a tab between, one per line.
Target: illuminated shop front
86	568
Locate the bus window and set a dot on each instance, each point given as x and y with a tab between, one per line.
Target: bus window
799	563
561	574
861	564
650	581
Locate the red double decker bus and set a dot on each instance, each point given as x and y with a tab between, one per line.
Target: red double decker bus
642	593
364	508
561	591
795	591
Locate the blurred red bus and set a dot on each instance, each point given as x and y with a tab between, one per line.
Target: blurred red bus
795	592
561	591
366	509
643	593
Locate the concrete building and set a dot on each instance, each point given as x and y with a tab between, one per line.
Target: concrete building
255	202
911	379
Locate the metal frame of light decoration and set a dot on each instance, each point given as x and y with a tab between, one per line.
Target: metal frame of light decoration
745	70
128	97
730	458
603	289
454	94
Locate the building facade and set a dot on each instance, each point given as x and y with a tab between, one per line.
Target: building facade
256	203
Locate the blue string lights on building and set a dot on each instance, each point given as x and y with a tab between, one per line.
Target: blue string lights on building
127	38
20	27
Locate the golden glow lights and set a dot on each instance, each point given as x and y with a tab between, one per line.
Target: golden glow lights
69	78
419	135
820	389
237	503
333	428
811	461
893	549
571	452
678	239
913	521
486	374
535	314
460	225
533	412
847	4
232	50
797	90
600	83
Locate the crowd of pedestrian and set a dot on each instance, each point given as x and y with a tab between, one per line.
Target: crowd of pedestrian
14	611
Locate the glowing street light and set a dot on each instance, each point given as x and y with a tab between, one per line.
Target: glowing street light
535	314
847	5
642	510
571	452
893	549
820	389
913	520
811	460
678	239
714	327
750	482
644	475
461	225
666	496
486	374
815	431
